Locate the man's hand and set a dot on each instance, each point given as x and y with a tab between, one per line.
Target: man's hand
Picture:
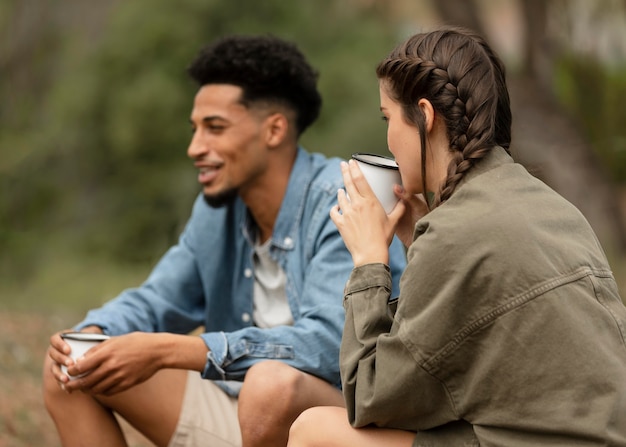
59	353
116	364
124	361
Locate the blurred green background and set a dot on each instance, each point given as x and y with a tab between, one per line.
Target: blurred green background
95	183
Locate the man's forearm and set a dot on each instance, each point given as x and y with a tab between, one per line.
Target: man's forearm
182	351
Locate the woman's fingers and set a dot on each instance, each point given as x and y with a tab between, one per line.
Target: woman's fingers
348	182
414	209
354	181
342	200
396	213
358	179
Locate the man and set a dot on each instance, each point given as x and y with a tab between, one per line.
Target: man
260	267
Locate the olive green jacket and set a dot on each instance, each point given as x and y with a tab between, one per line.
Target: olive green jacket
508	331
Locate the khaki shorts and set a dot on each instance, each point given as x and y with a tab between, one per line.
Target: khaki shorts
208	417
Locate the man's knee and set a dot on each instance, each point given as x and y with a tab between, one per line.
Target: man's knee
58	402
271	379
52	391
268	403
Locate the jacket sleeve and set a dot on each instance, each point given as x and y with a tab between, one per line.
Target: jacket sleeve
378	371
169	300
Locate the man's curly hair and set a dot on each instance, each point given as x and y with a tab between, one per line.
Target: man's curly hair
267	69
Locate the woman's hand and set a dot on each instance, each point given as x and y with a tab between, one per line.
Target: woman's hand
365	228
415	208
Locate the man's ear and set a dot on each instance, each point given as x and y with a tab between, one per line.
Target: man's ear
428	111
277	128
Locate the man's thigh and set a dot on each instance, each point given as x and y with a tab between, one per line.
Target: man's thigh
179	408
208	416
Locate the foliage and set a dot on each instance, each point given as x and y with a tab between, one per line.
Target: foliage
96	161
594	95
93	122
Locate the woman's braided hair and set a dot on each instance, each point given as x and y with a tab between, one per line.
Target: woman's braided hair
464	80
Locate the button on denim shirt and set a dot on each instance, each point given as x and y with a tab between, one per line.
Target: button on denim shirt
207	280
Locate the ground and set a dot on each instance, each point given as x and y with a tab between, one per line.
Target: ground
24	421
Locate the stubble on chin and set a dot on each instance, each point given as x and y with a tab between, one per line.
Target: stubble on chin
221	199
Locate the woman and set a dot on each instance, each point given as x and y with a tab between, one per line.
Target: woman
509	329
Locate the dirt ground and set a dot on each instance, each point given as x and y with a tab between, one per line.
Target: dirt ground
24	421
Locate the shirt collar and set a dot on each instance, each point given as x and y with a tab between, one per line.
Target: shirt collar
290	213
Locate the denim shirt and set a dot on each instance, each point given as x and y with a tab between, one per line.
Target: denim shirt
207	280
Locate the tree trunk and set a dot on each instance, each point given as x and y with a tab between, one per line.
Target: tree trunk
548	143
460	13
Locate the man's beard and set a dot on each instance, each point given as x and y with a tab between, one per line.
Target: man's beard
221	199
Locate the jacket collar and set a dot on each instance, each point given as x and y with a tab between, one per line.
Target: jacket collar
291	209
497	156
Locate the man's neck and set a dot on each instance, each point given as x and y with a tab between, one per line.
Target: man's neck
265	199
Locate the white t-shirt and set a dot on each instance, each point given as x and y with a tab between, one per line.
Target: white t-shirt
270	299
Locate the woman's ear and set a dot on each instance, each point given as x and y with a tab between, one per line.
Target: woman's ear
277	129
428	111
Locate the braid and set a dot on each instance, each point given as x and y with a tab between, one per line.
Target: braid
456	71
